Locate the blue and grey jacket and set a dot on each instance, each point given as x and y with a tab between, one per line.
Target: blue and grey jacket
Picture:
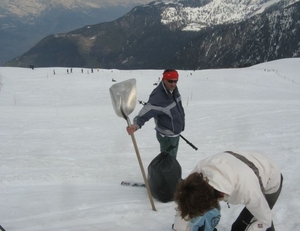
166	109
207	222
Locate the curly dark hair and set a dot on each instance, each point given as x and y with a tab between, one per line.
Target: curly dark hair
194	196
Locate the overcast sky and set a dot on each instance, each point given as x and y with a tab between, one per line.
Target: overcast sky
4	3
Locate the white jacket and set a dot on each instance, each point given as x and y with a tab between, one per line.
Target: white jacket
233	177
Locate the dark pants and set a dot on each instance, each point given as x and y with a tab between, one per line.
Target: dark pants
245	216
202	228
168	144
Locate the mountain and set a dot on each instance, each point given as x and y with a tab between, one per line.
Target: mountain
25	22
271	35
182	34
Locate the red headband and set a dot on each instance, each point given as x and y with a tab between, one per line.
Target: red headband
170	75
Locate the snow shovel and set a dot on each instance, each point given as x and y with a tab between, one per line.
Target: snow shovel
123	96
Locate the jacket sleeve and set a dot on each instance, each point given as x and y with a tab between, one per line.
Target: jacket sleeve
259	208
146	113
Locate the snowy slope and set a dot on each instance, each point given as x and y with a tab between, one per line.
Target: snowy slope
64	151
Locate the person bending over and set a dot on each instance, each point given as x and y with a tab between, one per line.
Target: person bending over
247	178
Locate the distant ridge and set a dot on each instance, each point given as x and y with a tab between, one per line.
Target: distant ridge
23	23
155	36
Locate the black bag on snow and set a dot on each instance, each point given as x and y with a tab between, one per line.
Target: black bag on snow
164	173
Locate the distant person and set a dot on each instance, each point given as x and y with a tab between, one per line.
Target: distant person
247	178
165	106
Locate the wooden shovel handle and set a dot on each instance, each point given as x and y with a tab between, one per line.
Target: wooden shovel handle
143	171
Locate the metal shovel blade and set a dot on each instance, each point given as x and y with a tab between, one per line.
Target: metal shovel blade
123	96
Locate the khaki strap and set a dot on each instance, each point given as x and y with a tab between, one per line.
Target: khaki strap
251	165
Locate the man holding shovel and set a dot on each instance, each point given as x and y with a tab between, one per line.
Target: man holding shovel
165	106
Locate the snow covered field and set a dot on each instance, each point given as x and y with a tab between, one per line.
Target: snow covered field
64	151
